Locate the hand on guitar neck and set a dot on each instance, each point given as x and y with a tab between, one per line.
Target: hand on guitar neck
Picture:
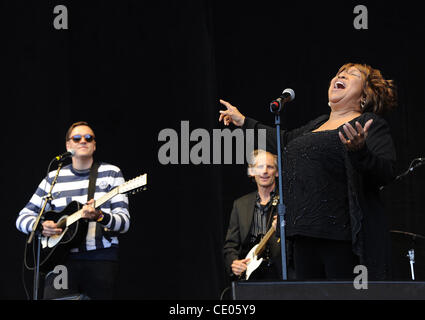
90	212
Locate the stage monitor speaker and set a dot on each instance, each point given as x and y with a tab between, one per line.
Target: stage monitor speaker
74	297
328	290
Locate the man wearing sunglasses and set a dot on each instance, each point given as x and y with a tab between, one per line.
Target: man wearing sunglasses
92	266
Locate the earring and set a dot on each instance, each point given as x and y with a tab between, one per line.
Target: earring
363	103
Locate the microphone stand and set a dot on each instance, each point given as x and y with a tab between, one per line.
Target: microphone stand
36	230
413	166
411	256
281	209
417	162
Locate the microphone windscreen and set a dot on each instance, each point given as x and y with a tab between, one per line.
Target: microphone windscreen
291	93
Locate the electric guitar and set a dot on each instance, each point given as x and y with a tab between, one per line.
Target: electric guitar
54	249
258	249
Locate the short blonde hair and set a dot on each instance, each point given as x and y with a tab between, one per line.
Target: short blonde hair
254	157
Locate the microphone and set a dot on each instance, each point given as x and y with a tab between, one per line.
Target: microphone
286	96
63	156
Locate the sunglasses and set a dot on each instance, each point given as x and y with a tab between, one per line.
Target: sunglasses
77	138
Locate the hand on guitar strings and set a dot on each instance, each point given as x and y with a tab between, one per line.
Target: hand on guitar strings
50	228
239	266
89	212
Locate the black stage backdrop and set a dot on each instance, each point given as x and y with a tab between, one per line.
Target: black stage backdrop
134	68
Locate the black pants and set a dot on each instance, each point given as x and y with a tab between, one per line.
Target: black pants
323	259
93	278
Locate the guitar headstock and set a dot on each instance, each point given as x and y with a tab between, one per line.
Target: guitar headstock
134	185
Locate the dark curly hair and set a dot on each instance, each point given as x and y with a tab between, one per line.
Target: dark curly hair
380	95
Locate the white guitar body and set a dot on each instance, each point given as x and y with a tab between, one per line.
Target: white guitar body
253	263
256	250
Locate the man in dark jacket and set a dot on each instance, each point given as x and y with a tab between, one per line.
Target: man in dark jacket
253	215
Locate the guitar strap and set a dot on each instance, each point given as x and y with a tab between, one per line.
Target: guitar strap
100	230
272	208
92	180
90	194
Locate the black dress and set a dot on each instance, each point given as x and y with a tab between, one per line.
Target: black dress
315	187
365	170
317	216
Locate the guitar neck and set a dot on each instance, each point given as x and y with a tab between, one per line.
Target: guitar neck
106	197
269	233
264	241
97	203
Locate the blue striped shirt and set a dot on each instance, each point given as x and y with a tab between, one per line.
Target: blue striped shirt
73	185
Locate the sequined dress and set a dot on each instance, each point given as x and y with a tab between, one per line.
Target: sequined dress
315	186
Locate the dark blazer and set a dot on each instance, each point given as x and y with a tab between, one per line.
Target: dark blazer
238	230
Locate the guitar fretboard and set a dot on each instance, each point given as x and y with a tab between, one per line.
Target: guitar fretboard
106	197
263	241
97	203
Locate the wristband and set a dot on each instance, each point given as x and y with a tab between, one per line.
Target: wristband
100	216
